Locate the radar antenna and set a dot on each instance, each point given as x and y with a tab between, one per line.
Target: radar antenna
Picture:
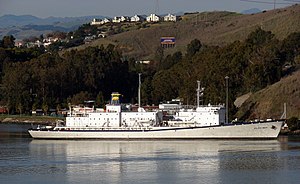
200	91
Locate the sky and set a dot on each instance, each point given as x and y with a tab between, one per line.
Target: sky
111	8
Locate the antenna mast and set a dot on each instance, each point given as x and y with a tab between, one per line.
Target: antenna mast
157	7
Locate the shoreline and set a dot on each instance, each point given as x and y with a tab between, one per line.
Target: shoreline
288	132
45	120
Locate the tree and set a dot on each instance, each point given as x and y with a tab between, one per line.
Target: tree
45	108
100	102
293	123
170	61
19	108
15	86
291	47
81	97
193	47
146	90
8	42
159	54
259	37
165	86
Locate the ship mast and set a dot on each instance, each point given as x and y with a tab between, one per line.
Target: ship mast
198	94
139	94
226	78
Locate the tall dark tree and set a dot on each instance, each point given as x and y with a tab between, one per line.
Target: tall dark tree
8	41
259	37
291	47
159	54
193	47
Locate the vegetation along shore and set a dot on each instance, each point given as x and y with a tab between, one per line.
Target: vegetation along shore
47	120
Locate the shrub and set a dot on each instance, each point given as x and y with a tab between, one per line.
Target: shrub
293	123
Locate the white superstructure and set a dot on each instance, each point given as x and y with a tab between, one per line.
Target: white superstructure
113	117
202	116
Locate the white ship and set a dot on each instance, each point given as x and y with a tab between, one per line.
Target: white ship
116	123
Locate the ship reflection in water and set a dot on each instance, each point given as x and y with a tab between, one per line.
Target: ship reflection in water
199	161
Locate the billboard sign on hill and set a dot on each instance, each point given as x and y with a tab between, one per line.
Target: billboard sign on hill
167	42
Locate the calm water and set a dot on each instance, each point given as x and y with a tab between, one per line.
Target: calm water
24	160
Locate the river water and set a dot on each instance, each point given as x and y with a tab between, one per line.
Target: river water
25	160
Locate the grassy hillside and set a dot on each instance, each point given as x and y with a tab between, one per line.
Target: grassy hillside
213	28
269	102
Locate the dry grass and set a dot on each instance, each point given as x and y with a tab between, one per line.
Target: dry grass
269	102
213	28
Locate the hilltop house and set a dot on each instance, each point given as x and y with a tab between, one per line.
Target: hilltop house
137	18
120	19
153	18
96	22
19	43
99	21
105	20
170	17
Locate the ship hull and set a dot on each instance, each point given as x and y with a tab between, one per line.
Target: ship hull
265	130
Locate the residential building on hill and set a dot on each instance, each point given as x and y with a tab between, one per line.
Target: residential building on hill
137	18
120	19
99	21
96	22
170	17
153	18
105	20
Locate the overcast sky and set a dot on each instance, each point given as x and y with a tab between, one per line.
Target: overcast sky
111	8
